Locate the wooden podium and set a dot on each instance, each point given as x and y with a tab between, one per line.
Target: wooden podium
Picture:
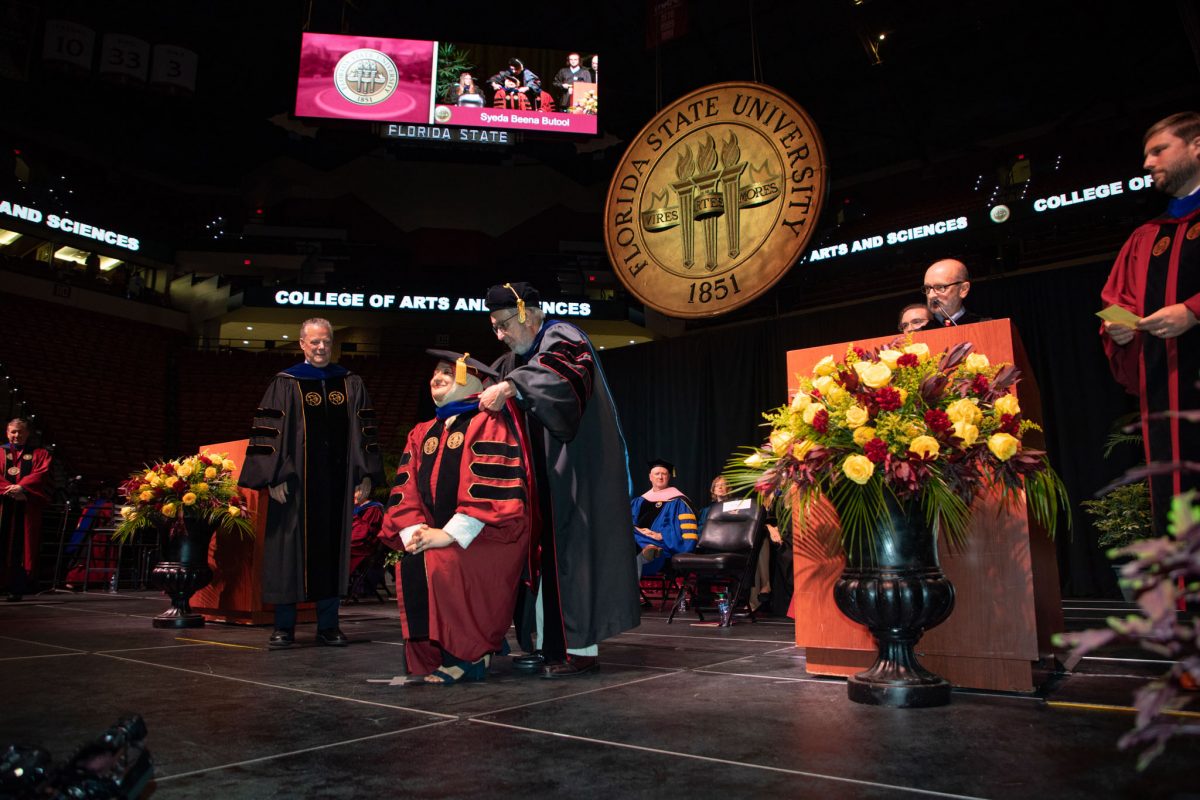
235	593
1007	603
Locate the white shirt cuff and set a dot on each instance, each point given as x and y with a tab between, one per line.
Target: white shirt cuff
406	534
463	529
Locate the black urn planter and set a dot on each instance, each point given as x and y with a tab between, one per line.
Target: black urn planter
898	591
185	573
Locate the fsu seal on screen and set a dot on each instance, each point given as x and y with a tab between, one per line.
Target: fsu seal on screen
715	199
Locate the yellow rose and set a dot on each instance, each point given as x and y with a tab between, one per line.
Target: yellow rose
918	349
143	487
967	432
890	357
976	362
800	449
155	480
201	488
755	460
863	435
210	473
171	481
146	496
859	366
234	511
800	401
227	464
189	499
184	471
780	440
149	476
858	468
1008	405
964	410
810	413
877	375
857	416
903	393
824	384
925	447
1003	446
168	509
127	511
825	366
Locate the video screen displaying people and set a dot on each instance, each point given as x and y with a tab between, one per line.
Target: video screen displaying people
500	86
448	83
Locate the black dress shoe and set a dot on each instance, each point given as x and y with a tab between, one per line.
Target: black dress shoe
332	637
529	662
13	598
281	638
574	665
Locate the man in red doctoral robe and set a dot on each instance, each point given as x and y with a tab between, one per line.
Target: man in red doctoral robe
24	492
458	510
1157	277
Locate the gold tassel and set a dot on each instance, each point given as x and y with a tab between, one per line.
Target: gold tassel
520	303
460	370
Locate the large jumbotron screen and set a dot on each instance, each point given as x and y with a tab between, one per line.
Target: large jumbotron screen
447	83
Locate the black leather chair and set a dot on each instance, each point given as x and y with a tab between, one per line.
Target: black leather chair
726	553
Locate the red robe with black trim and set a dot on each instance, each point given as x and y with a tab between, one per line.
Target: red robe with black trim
21	520
1160	266
459	600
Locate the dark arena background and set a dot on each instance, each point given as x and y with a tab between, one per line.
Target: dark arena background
167	221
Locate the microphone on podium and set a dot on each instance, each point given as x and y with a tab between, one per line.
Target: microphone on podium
935	306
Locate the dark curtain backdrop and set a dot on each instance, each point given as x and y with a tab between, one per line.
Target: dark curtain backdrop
694	400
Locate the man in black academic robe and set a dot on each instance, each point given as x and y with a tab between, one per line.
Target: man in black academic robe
588	585
312	444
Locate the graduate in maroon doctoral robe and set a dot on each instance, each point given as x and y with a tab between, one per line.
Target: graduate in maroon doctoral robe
1157	277
25	485
458	510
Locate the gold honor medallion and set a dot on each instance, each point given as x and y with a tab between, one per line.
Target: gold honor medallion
337	398
430	446
14	470
27	457
1161	245
715	199
1193	232
455	440
312	399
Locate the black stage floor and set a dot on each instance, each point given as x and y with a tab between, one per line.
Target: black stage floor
679	711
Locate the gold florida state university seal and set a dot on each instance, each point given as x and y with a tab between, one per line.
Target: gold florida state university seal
715	199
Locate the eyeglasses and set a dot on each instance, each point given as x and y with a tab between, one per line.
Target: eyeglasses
913	325
939	288
502	325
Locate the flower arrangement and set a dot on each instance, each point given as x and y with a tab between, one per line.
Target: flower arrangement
588	104
931	429
199	486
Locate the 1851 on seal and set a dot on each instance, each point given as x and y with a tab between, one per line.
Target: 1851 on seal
715	199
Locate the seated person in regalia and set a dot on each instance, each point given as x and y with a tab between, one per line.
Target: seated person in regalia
664	522
457	512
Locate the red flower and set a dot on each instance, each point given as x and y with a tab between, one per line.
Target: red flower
1010	425
862	354
907	360
980	384
888	399
168	469
938	421
876	450
820	421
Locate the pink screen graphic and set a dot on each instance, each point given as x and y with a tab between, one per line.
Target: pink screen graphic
365	77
